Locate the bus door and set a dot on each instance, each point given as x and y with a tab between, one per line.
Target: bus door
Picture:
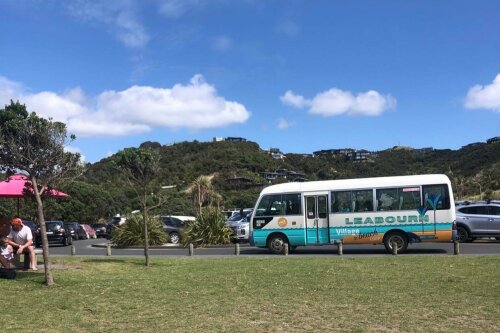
317	228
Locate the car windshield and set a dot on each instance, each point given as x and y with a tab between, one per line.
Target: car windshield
236	217
53	226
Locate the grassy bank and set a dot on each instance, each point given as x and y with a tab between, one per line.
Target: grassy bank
275	294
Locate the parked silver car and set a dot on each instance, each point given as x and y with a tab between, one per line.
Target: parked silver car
240	224
476	220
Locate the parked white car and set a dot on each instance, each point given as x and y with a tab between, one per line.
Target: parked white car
240	224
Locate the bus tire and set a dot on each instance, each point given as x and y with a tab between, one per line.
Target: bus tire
276	243
398	237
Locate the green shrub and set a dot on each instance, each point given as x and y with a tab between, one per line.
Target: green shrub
208	229
132	232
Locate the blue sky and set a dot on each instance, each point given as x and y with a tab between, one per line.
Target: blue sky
297	75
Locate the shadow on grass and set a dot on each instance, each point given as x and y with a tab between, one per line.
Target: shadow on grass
129	261
29	275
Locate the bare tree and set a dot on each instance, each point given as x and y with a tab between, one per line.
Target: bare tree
35	146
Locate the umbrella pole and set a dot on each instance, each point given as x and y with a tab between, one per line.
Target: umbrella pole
17	207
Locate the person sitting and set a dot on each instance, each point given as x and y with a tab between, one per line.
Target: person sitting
6	253
21	239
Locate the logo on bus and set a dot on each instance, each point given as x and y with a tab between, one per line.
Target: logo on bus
282	222
387	219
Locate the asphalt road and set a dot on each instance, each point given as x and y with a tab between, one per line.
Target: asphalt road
97	247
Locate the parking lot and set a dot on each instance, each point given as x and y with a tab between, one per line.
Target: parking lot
97	247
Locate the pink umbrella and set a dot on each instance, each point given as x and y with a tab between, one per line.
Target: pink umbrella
15	187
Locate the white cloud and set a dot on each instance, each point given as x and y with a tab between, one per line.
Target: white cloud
177	8
284	124
334	102
297	101
119	17
75	150
222	43
52	105
135	110
9	90
484	97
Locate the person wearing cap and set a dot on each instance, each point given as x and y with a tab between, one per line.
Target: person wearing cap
21	239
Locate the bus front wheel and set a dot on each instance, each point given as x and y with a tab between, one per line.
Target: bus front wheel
399	238
276	244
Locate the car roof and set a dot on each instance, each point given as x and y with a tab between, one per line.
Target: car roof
478	205
476	202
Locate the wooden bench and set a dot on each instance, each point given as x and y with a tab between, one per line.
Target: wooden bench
26	262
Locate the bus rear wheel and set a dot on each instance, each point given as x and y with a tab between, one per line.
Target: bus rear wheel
399	238
276	244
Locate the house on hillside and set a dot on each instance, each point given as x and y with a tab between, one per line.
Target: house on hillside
474	144
347	153
229	138
269	176
240	183
276	153
492	140
235	139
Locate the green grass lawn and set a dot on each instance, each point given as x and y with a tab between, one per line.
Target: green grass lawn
274	294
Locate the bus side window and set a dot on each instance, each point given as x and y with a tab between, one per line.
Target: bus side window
341	202
386	199
292	204
362	200
441	190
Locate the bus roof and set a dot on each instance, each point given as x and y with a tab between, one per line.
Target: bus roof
358	183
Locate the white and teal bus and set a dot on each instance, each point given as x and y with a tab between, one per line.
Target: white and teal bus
383	210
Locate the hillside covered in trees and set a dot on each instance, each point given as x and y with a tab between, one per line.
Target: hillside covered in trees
239	169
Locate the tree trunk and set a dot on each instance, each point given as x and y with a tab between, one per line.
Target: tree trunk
49	279
146	236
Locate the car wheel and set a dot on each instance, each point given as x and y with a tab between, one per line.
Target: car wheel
276	244
399	238
462	235
174	238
